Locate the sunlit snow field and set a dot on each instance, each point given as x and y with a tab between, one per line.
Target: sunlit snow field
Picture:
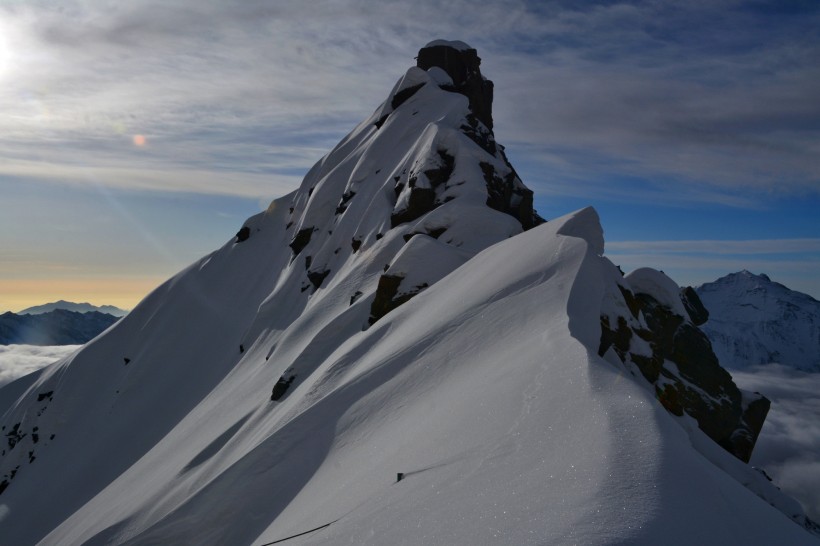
787	449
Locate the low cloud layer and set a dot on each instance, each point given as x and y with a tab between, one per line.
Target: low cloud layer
19	360
789	443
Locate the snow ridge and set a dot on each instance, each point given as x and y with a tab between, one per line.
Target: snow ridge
403	311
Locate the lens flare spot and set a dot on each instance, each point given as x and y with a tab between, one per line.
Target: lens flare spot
139	140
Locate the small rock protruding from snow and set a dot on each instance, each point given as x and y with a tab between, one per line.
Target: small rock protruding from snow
243	234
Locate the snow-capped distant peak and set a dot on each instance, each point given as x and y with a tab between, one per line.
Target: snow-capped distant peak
754	320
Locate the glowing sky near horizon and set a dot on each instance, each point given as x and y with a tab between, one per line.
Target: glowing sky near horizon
136	137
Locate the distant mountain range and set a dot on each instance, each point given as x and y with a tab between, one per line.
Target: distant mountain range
754	320
57	327
76	307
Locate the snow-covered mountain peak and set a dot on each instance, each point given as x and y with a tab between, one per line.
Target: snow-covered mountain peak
403	314
754	320
745	278
422	165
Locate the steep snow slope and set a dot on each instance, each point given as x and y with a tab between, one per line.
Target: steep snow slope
753	320
508	428
404	322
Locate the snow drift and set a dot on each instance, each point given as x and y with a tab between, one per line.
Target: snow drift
405	311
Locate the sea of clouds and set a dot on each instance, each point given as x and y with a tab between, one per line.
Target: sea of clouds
788	448
19	360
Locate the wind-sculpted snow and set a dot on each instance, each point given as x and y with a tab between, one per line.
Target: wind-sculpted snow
264	392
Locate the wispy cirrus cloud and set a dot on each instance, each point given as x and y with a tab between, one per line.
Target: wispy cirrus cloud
794	262
633	103
748	247
711	94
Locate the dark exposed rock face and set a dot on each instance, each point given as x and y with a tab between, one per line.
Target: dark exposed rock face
243	234
462	66
281	387
505	190
385	292
697	312
505	195
686	374
344	201
402	96
301	240
423	198
421	201
387	297
317	277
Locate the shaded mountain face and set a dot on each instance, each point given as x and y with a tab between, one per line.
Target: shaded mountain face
753	320
405	311
58	327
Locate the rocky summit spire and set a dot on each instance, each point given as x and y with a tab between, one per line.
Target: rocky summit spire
461	63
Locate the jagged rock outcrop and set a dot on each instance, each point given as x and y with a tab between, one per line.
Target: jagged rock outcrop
660	337
505	191
461	63
694	306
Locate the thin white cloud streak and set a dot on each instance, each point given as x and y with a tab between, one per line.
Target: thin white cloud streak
789	442
604	86
747	247
243	184
668	262
697	269
19	360
795	262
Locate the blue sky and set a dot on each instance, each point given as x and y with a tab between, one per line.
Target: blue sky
137	136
